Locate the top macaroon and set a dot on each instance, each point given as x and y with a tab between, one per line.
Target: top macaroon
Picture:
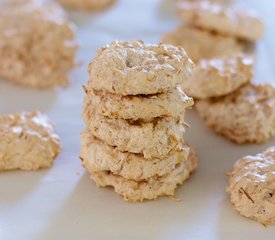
133	68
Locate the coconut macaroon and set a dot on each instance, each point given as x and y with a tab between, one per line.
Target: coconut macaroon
219	76
37	43
252	186
151	188
97	156
244	116
87	5
152	139
134	112
27	141
171	105
202	44
133	68
228	21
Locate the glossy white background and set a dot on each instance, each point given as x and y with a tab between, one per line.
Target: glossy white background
63	203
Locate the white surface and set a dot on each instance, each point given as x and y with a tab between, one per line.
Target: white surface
63	203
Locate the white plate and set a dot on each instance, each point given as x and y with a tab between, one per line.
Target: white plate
63	203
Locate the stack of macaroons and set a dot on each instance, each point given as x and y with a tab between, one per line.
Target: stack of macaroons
227	96
134	112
